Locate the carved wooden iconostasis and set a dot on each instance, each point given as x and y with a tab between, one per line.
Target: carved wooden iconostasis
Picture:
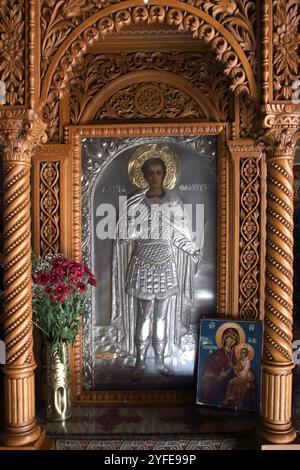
127	69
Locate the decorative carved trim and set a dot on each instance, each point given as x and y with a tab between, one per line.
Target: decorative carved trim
249	238
185	18
12	50
279	274
238	17
283	128
144	129
159	101
17	282
248	228
249	117
286	47
59	18
223	238
21	132
51	115
49	207
56	162
89	77
33	68
265	50
244	147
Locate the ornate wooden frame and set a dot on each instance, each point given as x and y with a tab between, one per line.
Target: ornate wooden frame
47	41
228	238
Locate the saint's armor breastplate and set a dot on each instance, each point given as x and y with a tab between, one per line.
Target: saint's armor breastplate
152	269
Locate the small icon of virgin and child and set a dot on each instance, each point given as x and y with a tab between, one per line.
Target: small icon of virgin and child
229	366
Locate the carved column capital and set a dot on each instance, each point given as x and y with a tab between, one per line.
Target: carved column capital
21	132
282	125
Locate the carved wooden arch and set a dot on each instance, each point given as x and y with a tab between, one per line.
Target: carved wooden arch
175	13
208	109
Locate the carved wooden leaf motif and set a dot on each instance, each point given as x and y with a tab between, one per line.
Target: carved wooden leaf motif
59	18
238	17
12	50
51	116
249	117
286	40
155	14
96	71
140	101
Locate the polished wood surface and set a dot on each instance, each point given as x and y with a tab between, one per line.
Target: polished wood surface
20	133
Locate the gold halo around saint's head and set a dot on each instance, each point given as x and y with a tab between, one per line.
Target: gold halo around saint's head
229	326
145	152
238	351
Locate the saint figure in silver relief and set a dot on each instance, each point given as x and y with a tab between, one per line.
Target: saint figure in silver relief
154	263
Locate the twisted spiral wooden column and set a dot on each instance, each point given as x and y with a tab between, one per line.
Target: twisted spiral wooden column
276	425
20	132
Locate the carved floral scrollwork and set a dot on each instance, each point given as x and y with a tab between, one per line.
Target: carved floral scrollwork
286	40
238	17
12	50
49	207
59	18
249	258
140	101
89	77
152	14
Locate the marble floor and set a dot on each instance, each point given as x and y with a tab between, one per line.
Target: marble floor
159	427
151	420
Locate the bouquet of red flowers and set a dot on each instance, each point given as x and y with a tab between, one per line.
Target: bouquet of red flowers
59	288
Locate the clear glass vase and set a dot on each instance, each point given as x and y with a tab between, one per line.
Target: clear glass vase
58	384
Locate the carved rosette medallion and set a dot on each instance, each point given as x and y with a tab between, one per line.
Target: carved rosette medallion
149	100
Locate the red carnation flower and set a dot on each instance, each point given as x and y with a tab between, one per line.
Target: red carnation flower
92	281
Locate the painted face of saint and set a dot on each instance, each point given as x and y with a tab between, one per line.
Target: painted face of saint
154	171
244	353
230	338
230	341
154	176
